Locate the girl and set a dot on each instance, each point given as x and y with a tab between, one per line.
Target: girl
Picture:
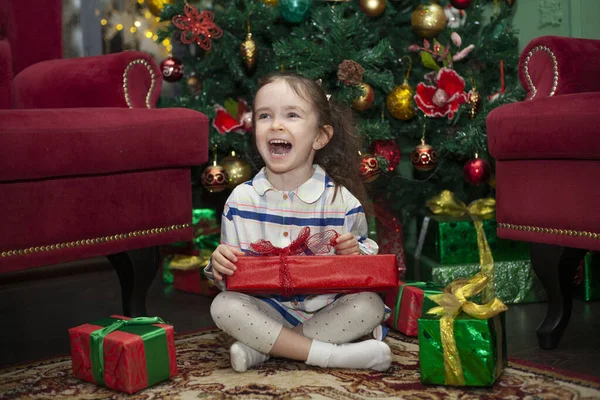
294	126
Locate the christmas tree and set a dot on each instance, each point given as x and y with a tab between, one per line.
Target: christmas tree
419	75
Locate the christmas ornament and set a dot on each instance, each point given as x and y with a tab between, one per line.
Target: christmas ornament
234	117
474	102
238	170
444	99
456	18
156	6
270	3
365	101
476	171
172	69
400	100
424	157
428	20
295	10
194	84
197	27
369	168
460	4
389	150
373	8
350	72
215	178
248	51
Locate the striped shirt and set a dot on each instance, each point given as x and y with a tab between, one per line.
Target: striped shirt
256	210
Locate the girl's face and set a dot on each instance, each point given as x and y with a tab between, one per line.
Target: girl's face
286	130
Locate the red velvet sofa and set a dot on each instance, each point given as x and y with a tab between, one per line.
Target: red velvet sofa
89	166
547	151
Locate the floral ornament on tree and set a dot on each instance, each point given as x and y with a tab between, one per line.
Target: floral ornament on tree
456	18
444	99
197	27
228	119
432	54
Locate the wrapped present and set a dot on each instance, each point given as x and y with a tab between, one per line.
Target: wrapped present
189	258
587	278
122	353
299	269
453	240
515	282
407	302
462	343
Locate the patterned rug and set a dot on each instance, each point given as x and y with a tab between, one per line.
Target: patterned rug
205	372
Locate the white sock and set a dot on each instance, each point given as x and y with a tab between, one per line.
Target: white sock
370	354
244	357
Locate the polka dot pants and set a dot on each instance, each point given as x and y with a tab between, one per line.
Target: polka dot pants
257	324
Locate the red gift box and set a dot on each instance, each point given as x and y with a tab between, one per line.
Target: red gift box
193	281
406	302
134	356
314	274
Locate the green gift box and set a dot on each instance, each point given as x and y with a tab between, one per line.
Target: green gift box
481	347
514	281
587	278
453	240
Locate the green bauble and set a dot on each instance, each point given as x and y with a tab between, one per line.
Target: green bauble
295	10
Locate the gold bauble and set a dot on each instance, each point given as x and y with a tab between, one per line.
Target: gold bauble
194	84
373	8
215	178
238	170
271	3
428	20
248	52
156	6
365	101
400	102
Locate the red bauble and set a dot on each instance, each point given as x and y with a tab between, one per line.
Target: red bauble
389	150
460	4
424	157
476	171
369	168
215	178
172	69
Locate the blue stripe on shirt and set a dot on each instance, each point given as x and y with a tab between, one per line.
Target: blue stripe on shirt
288	317
279	219
355	210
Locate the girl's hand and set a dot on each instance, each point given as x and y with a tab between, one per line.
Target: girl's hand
223	259
347	244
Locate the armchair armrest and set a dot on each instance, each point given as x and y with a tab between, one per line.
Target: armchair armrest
128	79
553	65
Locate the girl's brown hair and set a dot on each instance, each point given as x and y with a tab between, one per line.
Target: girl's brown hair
340	157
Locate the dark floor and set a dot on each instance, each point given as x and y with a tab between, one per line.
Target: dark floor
37	311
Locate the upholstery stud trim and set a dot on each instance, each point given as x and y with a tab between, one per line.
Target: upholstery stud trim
552	231
532	88
126	81
91	242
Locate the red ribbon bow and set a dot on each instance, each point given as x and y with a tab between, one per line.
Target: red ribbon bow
304	244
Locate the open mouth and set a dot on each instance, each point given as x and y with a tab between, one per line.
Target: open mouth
279	147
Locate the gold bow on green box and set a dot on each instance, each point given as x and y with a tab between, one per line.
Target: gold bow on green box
446	203
479	337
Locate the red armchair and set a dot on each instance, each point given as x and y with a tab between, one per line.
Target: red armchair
90	168
547	151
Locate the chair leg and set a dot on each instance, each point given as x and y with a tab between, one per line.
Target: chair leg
136	270
555	267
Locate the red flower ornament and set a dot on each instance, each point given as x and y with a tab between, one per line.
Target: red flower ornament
444	99
197	27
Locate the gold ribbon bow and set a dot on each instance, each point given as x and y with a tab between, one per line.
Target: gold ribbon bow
446	203
451	302
184	262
